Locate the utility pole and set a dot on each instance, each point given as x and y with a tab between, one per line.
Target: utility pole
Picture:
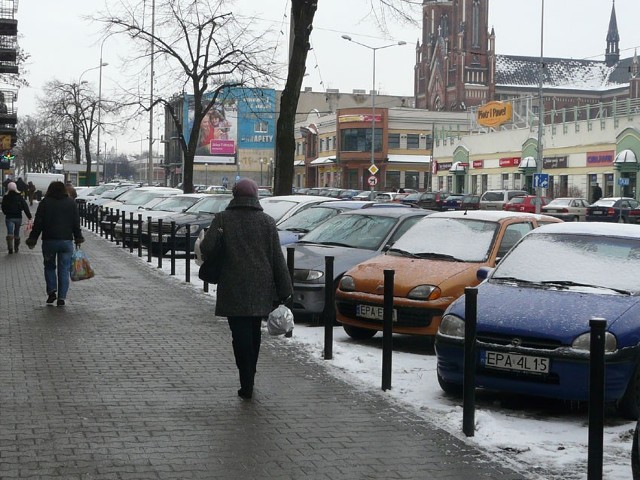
150	162
540	159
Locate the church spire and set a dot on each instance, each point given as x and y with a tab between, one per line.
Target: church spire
612	55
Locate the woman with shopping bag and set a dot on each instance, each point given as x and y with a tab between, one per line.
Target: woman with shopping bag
58	220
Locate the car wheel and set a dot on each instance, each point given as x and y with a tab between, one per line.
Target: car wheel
358	333
629	404
449	387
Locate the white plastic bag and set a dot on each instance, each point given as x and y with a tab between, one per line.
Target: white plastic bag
280	321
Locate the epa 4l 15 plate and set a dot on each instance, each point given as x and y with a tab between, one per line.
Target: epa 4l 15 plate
514	361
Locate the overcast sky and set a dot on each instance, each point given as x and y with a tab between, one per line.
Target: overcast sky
63	45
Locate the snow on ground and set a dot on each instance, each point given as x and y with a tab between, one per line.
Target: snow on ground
538	434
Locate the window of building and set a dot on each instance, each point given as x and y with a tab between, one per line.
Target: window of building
475	23
411	180
505	181
393	140
322	144
392	180
413	141
359	140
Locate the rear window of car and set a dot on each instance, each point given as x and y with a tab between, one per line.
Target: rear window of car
493	196
518	193
517	200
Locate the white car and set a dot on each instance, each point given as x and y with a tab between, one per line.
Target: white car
568	209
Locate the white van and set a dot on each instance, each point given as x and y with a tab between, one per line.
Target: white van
497	199
43	180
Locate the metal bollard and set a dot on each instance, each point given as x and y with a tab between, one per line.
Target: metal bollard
596	398
291	252
387	329
130	232
139	235
329	303
124	229
173	247
187	265
95	218
111	223
469	365
160	243
100	228
149	239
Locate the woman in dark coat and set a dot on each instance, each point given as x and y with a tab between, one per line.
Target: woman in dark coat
254	274
12	206
58	220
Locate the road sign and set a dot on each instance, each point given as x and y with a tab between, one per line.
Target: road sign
540	180
373	169
623	182
372	180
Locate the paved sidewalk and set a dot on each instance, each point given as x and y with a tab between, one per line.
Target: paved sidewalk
135	379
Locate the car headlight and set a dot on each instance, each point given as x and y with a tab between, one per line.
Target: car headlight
583	342
452	326
424	292
347	284
182	230
307	275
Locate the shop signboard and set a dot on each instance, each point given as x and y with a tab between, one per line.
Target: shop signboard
494	114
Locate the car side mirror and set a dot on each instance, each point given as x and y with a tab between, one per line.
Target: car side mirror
483	273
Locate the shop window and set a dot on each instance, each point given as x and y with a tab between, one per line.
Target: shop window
413	141
412	180
393	140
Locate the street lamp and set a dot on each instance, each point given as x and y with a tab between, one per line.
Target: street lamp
102	64
540	110
261	162
373	94
206	174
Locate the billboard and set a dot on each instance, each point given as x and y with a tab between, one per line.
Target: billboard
240	118
494	114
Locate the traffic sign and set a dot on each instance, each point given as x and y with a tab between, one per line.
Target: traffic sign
372	180
373	169
623	182
540	180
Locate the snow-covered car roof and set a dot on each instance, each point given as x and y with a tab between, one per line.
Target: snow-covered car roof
591	228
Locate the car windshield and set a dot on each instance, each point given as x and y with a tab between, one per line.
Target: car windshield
449	237
176	204
277	207
493	196
604	203
136	197
115	193
412	196
308	219
559	202
357	231
212	204
102	188
598	261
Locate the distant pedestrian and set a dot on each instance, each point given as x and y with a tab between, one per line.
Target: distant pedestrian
254	275
12	206
58	220
597	193
22	186
31	192
71	190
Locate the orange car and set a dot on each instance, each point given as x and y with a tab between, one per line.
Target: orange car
433	261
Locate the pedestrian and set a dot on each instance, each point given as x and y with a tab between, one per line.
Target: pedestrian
31	192
254	275
12	206
71	190
597	193
58	220
22	186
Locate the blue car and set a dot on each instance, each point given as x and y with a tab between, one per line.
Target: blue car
534	310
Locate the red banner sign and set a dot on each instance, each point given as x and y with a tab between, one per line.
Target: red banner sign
510	162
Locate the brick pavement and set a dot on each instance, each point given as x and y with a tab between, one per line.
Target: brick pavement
135	379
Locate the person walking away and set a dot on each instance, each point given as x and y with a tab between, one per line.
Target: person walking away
597	193
58	221
12	206
31	192
254	275
71	190
22	187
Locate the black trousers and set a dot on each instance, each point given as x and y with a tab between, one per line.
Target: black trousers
246	334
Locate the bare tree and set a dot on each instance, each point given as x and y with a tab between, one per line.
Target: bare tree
200	48
39	145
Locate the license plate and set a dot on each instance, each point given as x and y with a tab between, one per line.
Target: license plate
373	312
596	212
514	361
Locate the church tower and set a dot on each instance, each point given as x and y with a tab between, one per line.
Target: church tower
612	55
454	62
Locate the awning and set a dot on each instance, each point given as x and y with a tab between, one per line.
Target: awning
323	160
459	167
397	158
298	163
626	156
528	162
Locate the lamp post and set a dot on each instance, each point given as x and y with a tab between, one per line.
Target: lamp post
373	94
102	64
206	174
540	110
261	161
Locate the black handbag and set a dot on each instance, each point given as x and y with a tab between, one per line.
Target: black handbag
211	268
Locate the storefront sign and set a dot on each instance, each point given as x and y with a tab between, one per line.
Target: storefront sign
444	166
597	159
478	164
554	162
509	162
494	114
359	118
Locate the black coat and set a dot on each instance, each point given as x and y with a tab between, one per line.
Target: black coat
57	219
13	204
254	271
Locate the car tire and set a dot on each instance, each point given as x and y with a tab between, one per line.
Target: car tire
629	404
448	387
358	333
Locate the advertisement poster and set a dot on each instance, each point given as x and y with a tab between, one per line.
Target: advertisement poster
241	118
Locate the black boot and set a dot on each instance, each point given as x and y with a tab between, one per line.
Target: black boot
16	244
10	243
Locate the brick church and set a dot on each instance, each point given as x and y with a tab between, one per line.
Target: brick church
457	66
